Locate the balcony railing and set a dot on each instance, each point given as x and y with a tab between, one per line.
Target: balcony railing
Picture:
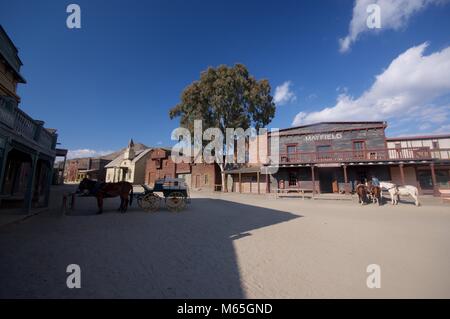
25	126
398	154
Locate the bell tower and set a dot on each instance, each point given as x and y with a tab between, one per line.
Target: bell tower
129	152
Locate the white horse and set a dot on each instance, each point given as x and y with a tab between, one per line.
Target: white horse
395	192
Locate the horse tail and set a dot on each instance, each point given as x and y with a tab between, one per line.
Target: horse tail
131	196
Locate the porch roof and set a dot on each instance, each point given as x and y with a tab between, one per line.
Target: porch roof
244	170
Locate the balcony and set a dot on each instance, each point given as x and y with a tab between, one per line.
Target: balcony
394	154
23	126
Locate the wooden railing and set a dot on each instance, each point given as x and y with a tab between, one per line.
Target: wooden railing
411	153
25	126
442	153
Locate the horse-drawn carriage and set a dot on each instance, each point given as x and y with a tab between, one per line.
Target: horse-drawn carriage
174	192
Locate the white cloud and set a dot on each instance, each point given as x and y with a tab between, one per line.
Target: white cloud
406	91
395	15
80	153
283	94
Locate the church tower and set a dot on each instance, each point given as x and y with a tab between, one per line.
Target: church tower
129	152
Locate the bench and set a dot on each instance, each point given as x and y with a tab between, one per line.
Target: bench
445	195
284	192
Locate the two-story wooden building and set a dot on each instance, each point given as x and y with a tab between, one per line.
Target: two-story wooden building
27	148
335	156
428	177
331	155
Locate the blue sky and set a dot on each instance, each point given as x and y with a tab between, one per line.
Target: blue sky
117	76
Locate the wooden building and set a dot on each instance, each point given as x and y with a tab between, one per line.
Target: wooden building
250	177
333	157
27	148
428	177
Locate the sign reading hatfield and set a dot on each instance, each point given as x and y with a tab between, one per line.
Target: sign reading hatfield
323	137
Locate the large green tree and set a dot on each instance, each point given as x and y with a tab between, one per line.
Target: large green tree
226	97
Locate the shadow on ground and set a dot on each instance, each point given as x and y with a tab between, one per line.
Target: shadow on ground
133	255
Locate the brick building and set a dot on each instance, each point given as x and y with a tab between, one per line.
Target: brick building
197	176
79	168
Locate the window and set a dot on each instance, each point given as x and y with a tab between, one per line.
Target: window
435	144
323	148
359	145
323	152
206	179
291	150
358	148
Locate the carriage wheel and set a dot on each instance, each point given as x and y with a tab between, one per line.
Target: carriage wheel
175	202
149	202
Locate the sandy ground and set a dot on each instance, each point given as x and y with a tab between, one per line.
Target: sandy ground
231	246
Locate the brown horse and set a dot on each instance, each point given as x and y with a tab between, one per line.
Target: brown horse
374	192
107	190
361	191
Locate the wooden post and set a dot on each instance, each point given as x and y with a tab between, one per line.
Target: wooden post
240	182
27	205
225	183
402	174
345	174
61	179
3	165
346	189
313	180
49	183
433	178
257	180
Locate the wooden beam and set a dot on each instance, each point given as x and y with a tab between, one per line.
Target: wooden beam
240	182
27	204
345	174
313	180
433	178
225	183
346	180
257	180
402	174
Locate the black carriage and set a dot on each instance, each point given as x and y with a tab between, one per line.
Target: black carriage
173	191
